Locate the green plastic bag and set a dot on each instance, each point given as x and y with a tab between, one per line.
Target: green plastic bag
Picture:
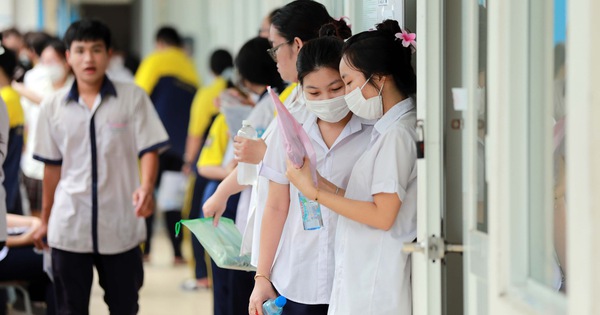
222	243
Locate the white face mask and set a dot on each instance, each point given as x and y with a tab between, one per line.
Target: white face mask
55	72
331	110
371	108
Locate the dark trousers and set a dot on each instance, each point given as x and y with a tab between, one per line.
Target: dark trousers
196	212
121	276
172	216
293	308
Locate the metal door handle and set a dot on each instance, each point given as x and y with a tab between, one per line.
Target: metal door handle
413	248
434	247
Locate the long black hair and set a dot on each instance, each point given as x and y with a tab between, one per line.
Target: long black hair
323	52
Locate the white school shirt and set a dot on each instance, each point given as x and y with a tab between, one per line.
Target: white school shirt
260	118
92	210
303	267
372	274
295	103
37	79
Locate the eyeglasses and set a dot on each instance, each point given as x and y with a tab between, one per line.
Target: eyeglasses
273	51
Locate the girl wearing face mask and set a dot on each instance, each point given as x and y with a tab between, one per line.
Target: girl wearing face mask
292	26
299	264
57	72
378	208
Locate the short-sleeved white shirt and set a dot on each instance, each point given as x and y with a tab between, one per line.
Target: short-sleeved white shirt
303	268
372	274
98	151
251	240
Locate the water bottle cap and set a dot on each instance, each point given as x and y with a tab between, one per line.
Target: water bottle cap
280	301
246	122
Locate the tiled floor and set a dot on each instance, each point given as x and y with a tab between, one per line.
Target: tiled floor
161	294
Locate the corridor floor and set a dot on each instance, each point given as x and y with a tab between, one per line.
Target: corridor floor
161	293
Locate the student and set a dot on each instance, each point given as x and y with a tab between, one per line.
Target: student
292	26
378	208
169	76
202	114
53	61
13	40
99	141
299	263
256	72
8	62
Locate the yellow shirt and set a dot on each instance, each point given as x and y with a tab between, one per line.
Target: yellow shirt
218	137
287	91
216	144
168	62
203	107
16	116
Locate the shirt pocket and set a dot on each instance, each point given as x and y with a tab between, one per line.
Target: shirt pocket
115	137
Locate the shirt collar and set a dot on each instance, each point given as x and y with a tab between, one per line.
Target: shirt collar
394	114
353	126
107	88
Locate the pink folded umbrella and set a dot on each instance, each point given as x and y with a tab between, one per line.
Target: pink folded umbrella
295	140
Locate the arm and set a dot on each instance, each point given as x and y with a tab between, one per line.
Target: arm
325	185
216	204
217	172
49	183
192	147
380	214
276	211
27	93
26	238
143	198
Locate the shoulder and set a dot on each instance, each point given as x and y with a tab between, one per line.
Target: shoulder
130	94
52	102
10	96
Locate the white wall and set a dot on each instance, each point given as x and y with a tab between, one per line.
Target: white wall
217	24
212	24
22	13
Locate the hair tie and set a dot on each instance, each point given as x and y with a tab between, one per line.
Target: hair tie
408	39
345	19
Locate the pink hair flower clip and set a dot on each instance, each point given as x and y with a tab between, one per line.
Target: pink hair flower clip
408	39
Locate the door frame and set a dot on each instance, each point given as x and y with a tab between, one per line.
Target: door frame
583	147
426	274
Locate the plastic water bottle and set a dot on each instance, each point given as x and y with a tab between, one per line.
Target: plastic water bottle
247	173
274	307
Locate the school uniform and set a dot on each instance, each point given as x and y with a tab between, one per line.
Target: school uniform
231	288
295	103
93	222
303	267
372	274
170	78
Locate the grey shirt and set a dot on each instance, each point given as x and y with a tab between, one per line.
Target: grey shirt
4	128
98	151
